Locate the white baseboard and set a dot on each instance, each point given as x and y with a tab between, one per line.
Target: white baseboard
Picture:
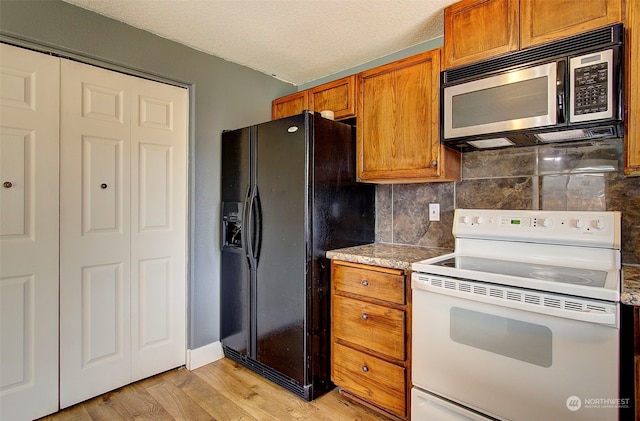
204	355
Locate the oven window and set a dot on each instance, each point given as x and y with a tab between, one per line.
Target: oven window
523	341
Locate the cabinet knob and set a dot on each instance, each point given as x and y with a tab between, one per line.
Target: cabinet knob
364	316
103	186
7	184
365	368
434	164
365	283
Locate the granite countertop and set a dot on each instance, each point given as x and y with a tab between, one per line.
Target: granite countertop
401	257
387	255
630	285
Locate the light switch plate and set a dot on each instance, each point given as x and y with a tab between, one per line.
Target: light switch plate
434	211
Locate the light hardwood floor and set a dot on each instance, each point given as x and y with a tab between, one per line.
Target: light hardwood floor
222	391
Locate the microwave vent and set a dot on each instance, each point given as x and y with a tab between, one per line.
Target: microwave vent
602	37
578	134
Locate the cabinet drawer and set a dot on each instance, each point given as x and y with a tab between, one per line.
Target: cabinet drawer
371	326
378	381
380	285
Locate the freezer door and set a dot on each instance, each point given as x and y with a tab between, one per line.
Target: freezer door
235	312
282	258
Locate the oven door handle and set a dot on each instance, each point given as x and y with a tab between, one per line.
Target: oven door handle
567	307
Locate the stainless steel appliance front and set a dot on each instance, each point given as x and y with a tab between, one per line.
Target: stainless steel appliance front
562	91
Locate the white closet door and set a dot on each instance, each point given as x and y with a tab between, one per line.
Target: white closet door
29	87
158	227
95	298
123	230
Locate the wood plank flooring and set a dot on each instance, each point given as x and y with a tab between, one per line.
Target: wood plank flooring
222	390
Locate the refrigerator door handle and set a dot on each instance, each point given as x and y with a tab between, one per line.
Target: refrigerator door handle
257	235
248	225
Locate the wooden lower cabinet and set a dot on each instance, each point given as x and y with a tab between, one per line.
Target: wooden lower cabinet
371	336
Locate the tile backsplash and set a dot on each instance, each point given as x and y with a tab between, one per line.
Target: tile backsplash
574	176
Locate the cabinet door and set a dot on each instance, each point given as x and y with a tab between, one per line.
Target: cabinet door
632	94
478	29
547	20
29	99
398	124
290	105
338	96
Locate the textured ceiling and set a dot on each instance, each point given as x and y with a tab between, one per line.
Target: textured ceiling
296	41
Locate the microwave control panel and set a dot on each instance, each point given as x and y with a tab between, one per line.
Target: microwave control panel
591	86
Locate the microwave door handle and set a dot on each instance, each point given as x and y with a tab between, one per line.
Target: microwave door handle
561	104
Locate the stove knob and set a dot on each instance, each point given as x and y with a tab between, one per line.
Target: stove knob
466	220
599	223
579	223
547	222
480	220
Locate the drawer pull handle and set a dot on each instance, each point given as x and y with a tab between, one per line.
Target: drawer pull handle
364	316
365	283
365	368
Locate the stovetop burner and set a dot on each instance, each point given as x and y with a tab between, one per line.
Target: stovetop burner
561	252
587	277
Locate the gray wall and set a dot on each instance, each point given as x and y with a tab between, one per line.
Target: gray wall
223	96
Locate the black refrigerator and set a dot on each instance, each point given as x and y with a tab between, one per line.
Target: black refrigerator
288	195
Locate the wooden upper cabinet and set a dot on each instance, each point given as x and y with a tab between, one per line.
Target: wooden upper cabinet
547	20
478	29
632	92
338	96
398	123
289	105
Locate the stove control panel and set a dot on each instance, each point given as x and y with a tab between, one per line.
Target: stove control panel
594	228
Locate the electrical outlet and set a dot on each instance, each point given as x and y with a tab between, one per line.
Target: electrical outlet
434	211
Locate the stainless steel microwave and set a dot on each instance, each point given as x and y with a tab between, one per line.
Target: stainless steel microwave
562	91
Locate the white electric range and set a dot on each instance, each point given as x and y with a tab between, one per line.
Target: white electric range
521	321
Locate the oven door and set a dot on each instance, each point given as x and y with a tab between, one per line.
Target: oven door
510	363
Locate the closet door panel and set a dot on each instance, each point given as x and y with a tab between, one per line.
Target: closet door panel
158	234
29	107
16	160
95	263
102	186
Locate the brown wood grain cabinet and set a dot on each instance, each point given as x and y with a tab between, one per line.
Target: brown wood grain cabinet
398	124
371	336
289	105
632	94
547	20
479	29
338	96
